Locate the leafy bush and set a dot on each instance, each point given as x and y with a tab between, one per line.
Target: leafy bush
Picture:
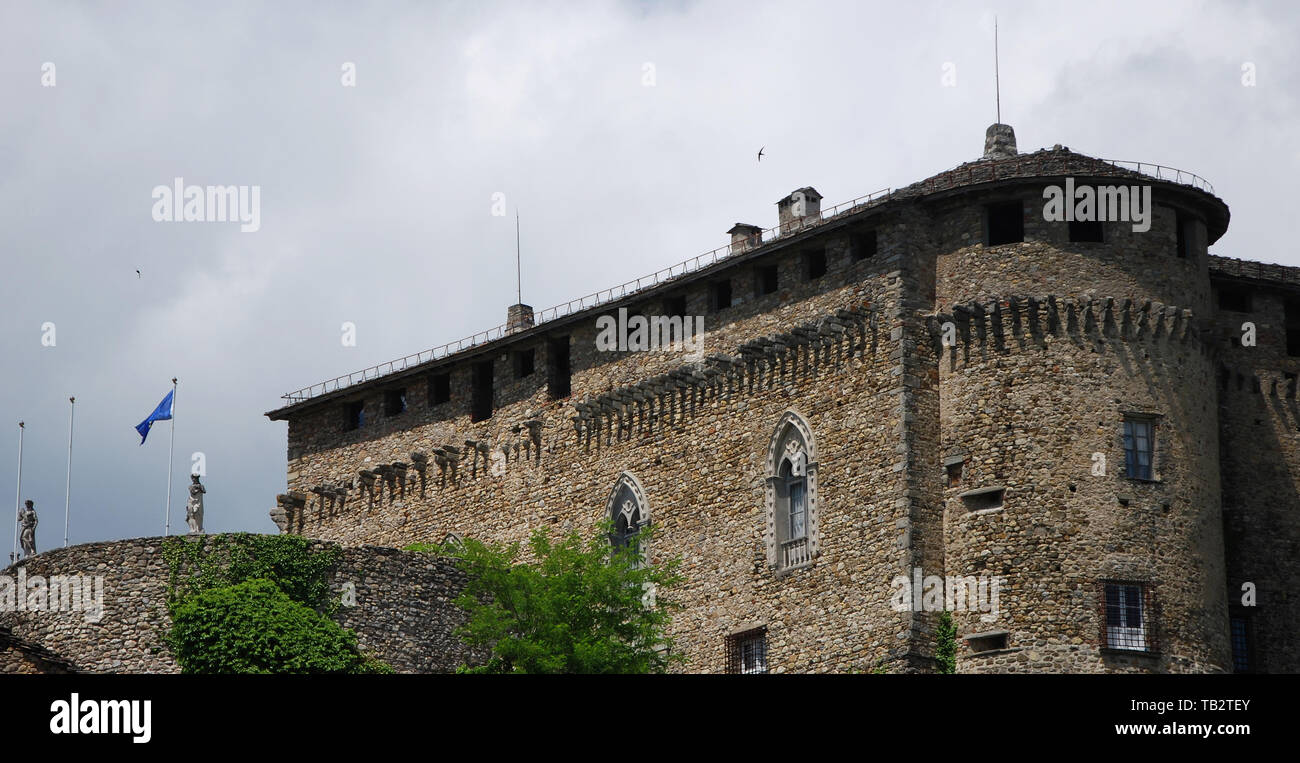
254	627
246	603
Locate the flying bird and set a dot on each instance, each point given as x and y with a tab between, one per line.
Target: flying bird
137	274
760	153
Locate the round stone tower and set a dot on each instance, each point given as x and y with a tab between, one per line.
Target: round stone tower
1077	413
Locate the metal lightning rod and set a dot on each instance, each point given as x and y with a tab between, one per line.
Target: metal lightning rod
997	80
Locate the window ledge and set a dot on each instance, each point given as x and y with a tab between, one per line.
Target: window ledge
981	491
781	572
986	634
971	653
1110	651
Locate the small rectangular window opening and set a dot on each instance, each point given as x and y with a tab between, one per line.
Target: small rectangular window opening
863	245
815	264
1293	328
987	499
1139	448
395	402
558	371
524	360
747	652
987	642
1183	244
439	389
721	294
481	393
354	415
1004	223
1127	618
1241	647
954	473
1234	299
1086	231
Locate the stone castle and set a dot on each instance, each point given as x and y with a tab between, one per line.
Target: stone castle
1079	435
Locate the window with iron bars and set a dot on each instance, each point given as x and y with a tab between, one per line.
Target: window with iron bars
1242	656
1128	616
747	652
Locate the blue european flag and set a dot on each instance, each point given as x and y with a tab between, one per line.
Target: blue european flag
162	413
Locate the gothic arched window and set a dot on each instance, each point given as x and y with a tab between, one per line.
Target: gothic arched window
629	511
792	508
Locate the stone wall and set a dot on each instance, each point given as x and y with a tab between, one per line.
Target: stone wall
403	613
1058	341
21	657
700	451
1260	456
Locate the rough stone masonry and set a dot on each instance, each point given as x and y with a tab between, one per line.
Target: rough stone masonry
935	378
397	602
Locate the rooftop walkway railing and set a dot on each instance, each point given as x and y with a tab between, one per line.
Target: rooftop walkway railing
971	172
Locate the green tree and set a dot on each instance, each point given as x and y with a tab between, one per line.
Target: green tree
575	607
255	627
945	652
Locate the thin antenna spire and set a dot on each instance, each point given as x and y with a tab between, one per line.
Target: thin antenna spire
519	292
997	81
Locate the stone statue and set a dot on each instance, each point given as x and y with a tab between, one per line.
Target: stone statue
27	536
194	509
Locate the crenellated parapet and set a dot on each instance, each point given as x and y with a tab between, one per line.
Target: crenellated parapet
290	511
396	481
760	364
1002	324
1275	383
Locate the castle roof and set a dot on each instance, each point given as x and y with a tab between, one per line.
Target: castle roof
1259	272
1061	162
999	170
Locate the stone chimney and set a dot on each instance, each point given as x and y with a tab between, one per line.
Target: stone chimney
999	142
518	318
745	237
800	207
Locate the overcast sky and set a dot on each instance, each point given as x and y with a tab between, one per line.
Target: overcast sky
624	133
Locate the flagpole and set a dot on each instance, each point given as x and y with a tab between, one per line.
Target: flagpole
167	526
18	497
67	490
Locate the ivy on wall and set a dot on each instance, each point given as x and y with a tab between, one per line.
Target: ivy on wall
213	561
